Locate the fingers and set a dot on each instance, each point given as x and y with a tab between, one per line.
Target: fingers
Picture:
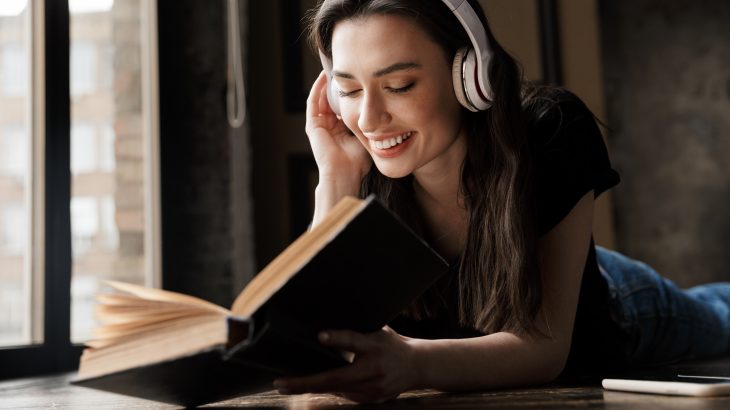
317	102
345	340
332	380
314	93
324	104
319	113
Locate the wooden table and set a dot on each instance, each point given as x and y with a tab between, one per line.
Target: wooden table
55	392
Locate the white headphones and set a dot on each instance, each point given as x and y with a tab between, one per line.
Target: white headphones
469	71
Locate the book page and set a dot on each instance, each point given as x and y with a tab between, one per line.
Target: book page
140	312
167	296
170	341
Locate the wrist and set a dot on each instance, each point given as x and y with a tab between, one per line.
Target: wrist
329	191
419	364
347	182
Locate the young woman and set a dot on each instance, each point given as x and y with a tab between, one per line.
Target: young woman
500	178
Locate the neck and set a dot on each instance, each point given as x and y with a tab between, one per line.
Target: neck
437	192
437	183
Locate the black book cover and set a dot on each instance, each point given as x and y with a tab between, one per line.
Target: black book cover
368	273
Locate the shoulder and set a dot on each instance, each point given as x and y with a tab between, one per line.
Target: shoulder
569	155
552	111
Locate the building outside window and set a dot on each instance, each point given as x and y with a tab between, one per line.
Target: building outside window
15	308
109	185
112	160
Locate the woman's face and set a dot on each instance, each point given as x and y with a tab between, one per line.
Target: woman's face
396	95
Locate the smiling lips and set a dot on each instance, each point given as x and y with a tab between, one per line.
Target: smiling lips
392	142
390	147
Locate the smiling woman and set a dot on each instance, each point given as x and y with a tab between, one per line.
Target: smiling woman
502	183
412	79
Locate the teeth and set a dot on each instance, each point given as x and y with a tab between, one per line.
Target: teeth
389	143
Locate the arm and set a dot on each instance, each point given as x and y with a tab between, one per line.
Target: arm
387	364
505	359
341	159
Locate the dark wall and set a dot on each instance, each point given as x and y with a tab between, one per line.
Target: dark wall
277	129
197	237
667	81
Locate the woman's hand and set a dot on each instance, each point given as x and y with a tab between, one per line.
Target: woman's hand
382	369
339	155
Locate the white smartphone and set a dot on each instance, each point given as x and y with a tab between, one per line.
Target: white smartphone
680	385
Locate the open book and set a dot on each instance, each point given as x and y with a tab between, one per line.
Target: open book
356	270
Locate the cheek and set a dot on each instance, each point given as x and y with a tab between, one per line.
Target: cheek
440	110
350	117
449	110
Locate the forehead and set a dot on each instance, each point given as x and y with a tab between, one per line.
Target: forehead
380	39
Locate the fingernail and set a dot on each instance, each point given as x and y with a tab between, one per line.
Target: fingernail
324	337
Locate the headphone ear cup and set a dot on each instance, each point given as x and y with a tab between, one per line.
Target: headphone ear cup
333	97
471	85
457	75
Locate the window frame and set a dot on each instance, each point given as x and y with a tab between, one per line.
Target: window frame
50	253
50	256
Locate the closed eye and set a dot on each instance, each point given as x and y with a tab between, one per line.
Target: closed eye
398	90
402	89
342	93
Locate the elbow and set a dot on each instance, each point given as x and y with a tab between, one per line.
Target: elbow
547	372
553	370
553	364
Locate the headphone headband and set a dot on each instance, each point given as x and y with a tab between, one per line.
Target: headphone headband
478	36
470	68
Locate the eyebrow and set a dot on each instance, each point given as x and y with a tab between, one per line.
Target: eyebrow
385	71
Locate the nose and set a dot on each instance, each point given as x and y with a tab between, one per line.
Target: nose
373	113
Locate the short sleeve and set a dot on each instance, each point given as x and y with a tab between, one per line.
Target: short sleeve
571	159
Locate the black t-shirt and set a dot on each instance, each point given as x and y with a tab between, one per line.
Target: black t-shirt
570	160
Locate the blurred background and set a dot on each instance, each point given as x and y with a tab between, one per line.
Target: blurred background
128	151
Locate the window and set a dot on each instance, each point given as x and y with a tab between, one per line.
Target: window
83	148
110	188
83	68
15	66
14	232
14	162
77	170
15	138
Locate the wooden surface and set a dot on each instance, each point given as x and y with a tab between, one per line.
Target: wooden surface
56	392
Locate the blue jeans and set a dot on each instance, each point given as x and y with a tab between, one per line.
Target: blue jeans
662	322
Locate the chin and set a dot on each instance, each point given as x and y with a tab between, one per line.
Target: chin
394	172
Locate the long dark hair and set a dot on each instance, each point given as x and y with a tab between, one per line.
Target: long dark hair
499	286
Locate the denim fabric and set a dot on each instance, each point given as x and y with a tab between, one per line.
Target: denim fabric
663	322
